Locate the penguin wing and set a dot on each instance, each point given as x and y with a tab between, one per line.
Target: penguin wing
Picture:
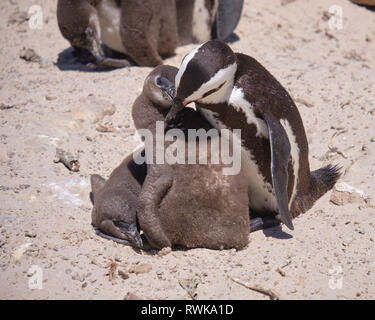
280	152
97	183
227	17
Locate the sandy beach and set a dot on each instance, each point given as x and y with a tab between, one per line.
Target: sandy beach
45	210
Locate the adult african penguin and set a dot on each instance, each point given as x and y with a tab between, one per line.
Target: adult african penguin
234	91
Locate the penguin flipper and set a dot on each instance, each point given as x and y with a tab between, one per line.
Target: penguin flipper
97	183
280	152
227	17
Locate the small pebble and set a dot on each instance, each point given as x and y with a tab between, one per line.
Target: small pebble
123	274
141	268
30	234
164	251
361	231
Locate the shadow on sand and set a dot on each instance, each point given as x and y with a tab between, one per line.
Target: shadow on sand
277	232
70	60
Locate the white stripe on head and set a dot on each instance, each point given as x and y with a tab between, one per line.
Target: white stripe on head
184	65
226	76
294	153
239	103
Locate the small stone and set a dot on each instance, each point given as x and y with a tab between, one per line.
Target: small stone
164	251
10	154
103	129
50	98
141	268
29	55
30	234
21	250
343	194
190	285
347	241
123	274
84	285
282	272
92	110
132	296
6	107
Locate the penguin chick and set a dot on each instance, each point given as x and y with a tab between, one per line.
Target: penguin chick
116	200
143	30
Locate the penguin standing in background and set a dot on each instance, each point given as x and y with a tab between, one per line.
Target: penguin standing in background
234	91
116	200
144	30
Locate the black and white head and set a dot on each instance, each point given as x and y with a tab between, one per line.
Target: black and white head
159	86
206	74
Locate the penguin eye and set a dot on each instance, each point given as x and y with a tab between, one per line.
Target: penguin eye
158	81
213	90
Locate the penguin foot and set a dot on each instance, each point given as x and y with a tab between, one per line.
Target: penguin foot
259	223
101	60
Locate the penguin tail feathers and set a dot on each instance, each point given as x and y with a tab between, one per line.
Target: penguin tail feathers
322	180
325	178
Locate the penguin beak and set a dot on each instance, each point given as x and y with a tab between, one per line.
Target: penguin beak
177	106
171	92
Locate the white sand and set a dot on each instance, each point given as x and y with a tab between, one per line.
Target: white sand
331	70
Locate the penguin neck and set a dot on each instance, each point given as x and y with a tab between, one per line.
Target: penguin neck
147	113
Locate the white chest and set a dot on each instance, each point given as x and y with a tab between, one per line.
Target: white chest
110	20
201	24
261	194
